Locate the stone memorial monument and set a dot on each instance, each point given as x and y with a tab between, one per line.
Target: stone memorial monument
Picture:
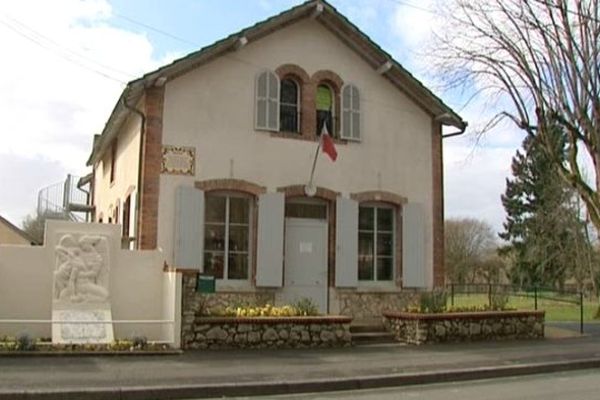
81	289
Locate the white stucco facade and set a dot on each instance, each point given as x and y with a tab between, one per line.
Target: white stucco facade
212	110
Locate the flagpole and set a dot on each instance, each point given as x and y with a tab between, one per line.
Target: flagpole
312	172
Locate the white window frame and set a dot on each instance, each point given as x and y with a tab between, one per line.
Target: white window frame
228	196
375	282
351	111
267	99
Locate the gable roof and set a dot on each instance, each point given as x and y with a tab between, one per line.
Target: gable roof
321	11
17	230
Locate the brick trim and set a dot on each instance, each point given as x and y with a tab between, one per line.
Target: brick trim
237	185
150	165
298	191
379	196
294	70
437	204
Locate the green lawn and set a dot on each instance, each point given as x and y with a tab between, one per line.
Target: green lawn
555	310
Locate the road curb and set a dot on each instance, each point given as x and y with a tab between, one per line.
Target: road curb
293	387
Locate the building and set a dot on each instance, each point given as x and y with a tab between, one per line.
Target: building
10	234
209	159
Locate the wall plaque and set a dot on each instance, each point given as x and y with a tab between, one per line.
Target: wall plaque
178	160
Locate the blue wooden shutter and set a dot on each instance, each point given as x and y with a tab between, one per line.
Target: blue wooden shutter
269	255
189	228
346	255
413	246
267	101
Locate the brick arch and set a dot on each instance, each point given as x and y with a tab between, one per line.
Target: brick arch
292	69
237	185
381	196
333	80
298	191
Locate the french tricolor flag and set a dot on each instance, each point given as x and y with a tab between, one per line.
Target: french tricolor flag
327	144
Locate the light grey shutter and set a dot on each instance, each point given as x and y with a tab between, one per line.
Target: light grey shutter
355	113
189	228
269	254
273	102
350	113
267	101
413	246
346	255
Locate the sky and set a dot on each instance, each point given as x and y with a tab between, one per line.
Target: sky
65	62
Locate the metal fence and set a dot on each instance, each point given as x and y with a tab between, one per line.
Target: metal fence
536	293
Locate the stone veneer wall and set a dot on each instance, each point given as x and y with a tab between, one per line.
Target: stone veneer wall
361	305
268	332
468	326
194	303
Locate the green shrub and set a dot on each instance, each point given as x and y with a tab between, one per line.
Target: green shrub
433	302
25	342
306	306
498	301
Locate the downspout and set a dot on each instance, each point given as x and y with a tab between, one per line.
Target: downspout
138	198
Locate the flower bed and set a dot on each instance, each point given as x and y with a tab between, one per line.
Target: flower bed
421	328
268	332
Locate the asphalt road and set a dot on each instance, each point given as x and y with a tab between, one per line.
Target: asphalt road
577	385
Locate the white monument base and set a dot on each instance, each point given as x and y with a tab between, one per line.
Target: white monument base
99	330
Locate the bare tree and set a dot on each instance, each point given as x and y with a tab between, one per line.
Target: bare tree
469	249
539	61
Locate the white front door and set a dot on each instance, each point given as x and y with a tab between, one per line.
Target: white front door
306	261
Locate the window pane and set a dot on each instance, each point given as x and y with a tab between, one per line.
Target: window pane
239	210
385	218
214	264
385	244
365	268
384	268
324	98
289	92
215	209
261	113
365	243
238	266
299	210
288	118
324	117
346	97
365	218
214	237
238	238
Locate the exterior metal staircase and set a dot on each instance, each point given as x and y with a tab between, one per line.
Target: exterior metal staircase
68	200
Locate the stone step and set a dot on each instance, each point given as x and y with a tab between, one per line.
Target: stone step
358	328
372	337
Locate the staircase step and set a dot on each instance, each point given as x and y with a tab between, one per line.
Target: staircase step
359	328
372	337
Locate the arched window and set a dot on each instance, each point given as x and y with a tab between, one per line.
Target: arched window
325	109
350	113
288	106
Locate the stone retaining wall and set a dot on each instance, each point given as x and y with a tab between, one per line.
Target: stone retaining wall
369	304
466	326
268	332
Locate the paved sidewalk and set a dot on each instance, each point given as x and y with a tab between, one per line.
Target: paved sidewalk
215	374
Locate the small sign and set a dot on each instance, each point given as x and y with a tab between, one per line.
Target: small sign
205	283
306	247
178	160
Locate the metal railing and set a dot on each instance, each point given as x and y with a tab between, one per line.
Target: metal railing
537	293
60	199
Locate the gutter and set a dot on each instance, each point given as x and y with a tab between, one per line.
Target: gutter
449	120
138	198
